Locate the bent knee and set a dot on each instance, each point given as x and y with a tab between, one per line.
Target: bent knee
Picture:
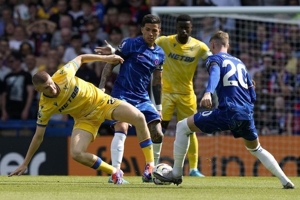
182	127
157	136
76	155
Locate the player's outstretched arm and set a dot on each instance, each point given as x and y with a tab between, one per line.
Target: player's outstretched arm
34	145
107	50
86	58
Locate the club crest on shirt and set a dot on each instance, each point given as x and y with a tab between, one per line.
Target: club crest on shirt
156	62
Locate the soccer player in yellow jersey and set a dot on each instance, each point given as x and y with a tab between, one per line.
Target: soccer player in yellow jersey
182	56
64	93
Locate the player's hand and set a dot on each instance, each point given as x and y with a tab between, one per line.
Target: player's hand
19	171
114	59
107	50
206	100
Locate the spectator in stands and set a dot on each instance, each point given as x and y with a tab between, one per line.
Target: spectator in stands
261	37
88	74
75	9
2	6
124	21
33	12
291	60
138	10
293	37
281	119
9	30
60	53
91	41
209	27
82	20
46	9
247	59
40	31
18	91
99	9
42	58
110	19
4	48
25	49
75	49
7	18
62	37
18	38
100	33
30	64
119	4
62	7
64	34
134	30
296	99
4	70
21	12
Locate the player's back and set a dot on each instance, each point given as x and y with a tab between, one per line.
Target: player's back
135	73
233	89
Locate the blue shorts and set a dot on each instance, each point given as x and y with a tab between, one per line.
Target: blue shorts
216	120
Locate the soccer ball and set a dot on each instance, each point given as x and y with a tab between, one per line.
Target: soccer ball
161	169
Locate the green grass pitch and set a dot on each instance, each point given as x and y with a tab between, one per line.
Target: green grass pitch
96	187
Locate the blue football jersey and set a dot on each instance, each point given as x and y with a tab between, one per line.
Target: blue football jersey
135	73
235	89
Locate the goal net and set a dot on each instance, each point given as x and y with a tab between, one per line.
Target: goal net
267	40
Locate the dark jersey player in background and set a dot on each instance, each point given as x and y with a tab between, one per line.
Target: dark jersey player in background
142	59
236	95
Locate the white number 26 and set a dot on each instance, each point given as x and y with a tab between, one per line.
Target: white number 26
239	68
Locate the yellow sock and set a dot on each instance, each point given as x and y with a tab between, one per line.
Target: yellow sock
148	153
103	166
193	151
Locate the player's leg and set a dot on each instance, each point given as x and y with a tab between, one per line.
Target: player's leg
117	146
80	140
168	105
153	120
207	122
187	106
251	142
128	113
118	143
157	138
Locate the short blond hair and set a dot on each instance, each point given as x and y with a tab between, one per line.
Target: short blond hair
40	78
221	38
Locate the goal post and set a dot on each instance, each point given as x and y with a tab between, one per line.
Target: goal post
263	37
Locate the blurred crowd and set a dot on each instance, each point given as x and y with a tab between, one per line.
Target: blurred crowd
46	34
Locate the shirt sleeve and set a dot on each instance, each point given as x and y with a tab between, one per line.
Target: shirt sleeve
125	47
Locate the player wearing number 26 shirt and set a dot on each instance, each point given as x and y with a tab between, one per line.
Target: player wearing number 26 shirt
235	90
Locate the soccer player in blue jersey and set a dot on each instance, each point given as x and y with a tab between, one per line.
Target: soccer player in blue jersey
143	58
235	90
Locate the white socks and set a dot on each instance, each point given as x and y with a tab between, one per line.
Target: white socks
270	163
156	152
181	145
117	149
